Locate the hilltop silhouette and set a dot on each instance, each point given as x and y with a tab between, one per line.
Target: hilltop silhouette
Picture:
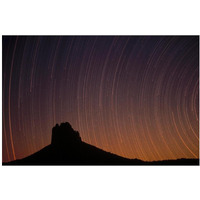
67	148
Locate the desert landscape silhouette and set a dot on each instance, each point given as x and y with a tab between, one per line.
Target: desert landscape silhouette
67	148
133	99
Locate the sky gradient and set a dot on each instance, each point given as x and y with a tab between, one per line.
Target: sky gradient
135	96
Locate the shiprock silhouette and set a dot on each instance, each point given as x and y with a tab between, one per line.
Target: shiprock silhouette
67	148
65	136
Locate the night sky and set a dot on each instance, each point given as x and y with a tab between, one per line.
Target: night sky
137	97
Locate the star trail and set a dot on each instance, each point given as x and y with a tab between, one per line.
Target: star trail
135	96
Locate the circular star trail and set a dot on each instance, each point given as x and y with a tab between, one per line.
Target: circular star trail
137	97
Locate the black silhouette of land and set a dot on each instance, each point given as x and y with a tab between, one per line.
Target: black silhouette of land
67	148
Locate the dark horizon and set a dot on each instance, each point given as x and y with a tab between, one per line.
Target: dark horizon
67	148
134	96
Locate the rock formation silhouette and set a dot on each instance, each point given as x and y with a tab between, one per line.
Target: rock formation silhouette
64	135
67	148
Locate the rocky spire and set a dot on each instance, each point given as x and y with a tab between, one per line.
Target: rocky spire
64	135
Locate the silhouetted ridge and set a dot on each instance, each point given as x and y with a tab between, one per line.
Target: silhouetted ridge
67	148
